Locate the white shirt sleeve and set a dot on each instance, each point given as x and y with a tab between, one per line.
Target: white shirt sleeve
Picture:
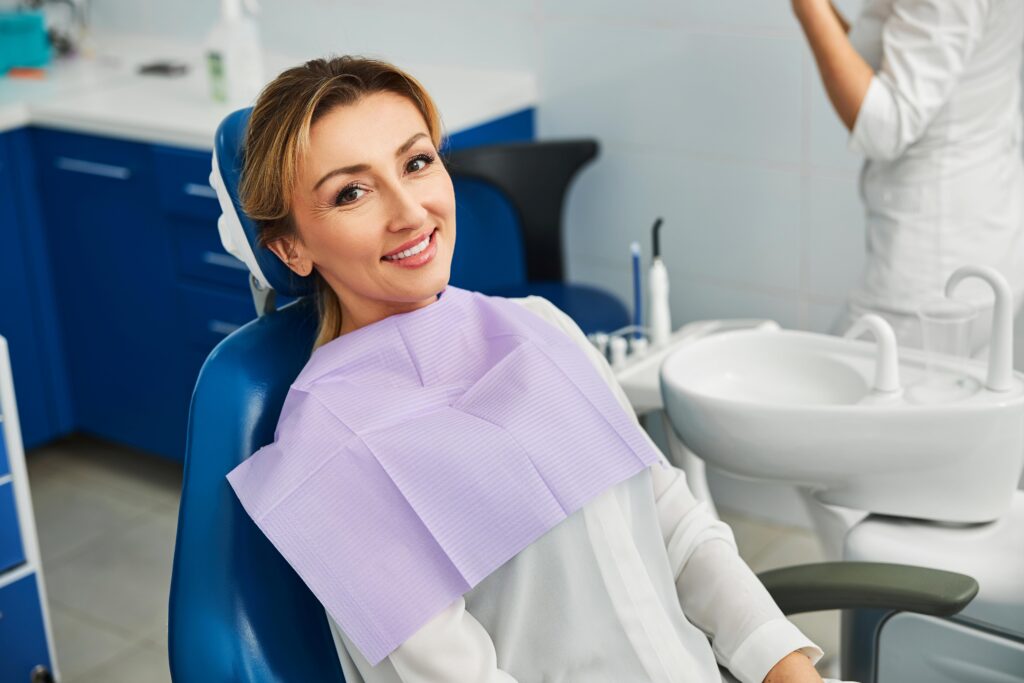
925	45
717	590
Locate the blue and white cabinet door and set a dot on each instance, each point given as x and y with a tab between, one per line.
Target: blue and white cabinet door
26	644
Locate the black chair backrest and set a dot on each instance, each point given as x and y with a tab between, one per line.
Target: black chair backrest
534	177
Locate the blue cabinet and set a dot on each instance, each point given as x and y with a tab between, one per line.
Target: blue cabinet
114	279
22	631
144	288
11	551
27	319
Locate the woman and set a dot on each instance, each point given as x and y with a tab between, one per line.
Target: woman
392	485
930	91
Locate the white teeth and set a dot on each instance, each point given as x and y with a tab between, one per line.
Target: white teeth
410	251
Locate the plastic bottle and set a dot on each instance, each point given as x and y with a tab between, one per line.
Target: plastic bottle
234	57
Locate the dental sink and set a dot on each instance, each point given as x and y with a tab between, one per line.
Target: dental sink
854	423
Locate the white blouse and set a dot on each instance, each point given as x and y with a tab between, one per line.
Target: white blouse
627	589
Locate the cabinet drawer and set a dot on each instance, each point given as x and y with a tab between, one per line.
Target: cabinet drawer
183	184
22	634
11	553
87	158
199	255
210	315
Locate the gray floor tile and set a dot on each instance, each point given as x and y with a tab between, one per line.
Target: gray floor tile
70	516
122	580
140	664
82	644
133	474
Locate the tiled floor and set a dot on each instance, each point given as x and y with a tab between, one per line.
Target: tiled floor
106	519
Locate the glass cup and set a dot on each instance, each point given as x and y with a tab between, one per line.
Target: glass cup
946	337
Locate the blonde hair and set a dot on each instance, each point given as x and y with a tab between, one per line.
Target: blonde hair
277	140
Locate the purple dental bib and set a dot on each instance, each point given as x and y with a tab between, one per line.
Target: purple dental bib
416	455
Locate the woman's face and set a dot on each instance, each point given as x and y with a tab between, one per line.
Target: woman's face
374	210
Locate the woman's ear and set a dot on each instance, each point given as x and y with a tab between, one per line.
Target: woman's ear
292	253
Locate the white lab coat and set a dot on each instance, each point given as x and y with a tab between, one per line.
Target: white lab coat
940	127
625	590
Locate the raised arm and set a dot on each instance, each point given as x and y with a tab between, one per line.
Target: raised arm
844	72
925	45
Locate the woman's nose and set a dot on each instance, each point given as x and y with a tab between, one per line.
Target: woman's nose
406	211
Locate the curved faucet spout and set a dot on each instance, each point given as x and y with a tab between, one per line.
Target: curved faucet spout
1000	357
887	371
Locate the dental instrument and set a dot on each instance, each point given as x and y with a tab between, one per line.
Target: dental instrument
618	346
660	315
638	297
638	345
600	342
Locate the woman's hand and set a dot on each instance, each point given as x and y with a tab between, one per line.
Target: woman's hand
793	668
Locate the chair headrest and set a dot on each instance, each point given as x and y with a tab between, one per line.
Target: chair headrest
238	233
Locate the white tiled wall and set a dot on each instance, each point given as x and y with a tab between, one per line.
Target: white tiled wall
711	115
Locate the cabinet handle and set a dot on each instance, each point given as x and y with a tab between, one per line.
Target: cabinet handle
221	327
93	168
224	261
197	190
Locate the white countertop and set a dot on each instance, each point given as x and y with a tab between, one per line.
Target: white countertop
104	95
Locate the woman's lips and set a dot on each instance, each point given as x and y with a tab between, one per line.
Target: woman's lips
408	245
420	259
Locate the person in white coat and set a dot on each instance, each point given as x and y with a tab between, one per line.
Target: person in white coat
930	91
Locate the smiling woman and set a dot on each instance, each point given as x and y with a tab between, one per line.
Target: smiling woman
458	478
349	187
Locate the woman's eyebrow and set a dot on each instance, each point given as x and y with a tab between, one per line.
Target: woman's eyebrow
409	143
360	168
344	170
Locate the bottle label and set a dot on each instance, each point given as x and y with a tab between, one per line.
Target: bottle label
215	68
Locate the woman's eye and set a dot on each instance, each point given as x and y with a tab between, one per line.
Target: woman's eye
418	163
349	194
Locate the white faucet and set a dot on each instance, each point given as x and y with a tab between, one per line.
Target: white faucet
1000	357
887	371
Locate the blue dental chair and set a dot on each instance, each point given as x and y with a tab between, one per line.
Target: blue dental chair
238	613
237	610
